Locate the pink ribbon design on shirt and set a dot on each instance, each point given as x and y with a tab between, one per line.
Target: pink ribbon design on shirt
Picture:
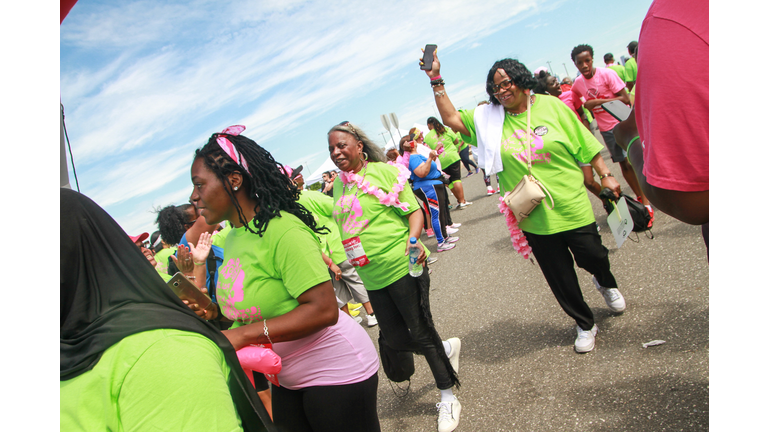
229	148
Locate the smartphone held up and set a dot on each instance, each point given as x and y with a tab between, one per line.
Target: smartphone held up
429	56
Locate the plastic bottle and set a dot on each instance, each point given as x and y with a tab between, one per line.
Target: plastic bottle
414	269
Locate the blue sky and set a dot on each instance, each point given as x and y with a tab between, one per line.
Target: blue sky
145	83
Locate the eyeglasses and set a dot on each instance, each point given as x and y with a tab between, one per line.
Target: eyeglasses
504	85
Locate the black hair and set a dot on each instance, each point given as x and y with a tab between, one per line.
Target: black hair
170	223
517	73
541	82
153	239
632	47
264	181
435	123
578	49
607	57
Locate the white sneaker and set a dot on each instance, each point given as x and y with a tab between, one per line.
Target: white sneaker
445	246
450	239
490	191
464	205
448	415
372	321
450	230
585	339
455	352
358	319
612	296
431	260
455	225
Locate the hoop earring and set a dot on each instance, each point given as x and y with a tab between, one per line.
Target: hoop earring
365	156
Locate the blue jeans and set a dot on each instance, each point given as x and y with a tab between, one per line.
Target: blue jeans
405	327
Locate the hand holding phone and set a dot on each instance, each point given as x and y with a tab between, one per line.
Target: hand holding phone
429	57
192	296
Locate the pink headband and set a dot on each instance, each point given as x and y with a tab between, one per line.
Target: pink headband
229	148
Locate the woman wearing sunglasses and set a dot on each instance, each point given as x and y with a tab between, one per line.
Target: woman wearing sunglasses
566	232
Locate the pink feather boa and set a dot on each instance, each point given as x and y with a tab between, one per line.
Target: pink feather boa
388	199
519	242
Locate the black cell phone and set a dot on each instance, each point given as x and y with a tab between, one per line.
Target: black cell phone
429	56
411	137
617	109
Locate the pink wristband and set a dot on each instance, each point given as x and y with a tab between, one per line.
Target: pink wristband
436	78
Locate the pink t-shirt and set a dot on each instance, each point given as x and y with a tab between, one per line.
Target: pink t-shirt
336	355
672	95
604	84
568	100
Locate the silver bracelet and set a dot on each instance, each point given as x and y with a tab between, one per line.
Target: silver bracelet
440	93
266	332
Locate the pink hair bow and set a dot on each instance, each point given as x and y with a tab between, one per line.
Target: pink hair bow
229	148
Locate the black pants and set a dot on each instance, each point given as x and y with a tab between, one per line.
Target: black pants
404	328
553	252
327	408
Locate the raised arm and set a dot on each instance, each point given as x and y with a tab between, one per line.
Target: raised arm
448	112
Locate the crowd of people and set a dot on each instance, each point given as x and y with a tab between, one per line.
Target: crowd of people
290	269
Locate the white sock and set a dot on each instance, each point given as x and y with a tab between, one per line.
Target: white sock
447	396
447	348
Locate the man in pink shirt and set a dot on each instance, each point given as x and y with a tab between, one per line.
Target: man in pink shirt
598	86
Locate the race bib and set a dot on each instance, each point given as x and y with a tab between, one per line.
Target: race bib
354	250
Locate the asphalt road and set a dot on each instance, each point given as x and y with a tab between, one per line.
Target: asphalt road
519	371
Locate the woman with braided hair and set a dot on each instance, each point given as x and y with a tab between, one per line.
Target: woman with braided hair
377	214
276	288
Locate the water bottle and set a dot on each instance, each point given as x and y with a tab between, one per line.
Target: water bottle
414	269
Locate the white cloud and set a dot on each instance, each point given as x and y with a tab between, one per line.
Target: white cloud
162	76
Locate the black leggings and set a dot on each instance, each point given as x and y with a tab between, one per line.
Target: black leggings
404	327
327	408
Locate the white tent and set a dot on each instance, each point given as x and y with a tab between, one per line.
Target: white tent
316	176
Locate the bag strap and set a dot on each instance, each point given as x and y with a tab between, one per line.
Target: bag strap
529	135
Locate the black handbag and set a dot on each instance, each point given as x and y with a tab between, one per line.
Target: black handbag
397	365
640	215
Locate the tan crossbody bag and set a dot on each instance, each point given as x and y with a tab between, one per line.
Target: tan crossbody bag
529	192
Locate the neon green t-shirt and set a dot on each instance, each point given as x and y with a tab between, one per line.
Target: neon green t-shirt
162	259
220	236
448	139
321	207
261	277
383	230
630	70
152	381
559	140
619	69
